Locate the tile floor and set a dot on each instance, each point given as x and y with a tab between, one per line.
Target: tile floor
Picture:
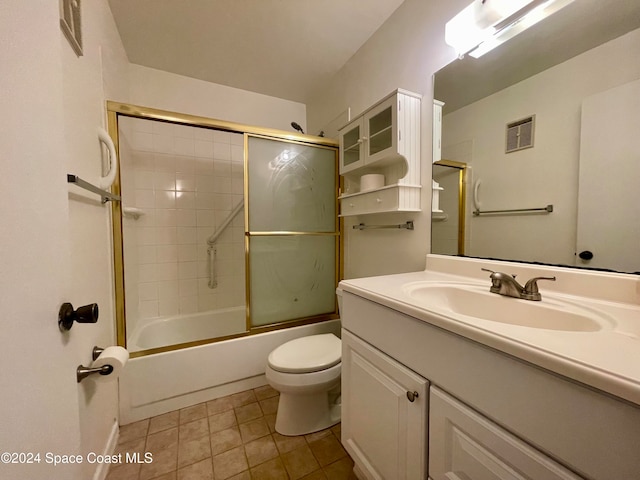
230	438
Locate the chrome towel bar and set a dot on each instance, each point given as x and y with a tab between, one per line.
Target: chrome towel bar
361	226
547	209
106	196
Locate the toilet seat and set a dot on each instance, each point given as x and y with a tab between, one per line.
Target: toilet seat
307	354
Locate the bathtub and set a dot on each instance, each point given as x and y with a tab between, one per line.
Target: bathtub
155	384
187	328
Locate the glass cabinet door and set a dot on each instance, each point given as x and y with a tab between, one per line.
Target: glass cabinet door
351	154
380	137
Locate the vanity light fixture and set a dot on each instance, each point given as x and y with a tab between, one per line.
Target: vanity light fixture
485	24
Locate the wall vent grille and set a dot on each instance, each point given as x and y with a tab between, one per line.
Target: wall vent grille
520	134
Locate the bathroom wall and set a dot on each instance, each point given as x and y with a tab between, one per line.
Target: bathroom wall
403	53
544	174
177	93
185	181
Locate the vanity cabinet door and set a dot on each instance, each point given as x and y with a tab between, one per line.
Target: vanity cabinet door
464	445
384	408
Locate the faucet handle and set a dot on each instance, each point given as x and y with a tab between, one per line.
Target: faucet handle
531	287
487	270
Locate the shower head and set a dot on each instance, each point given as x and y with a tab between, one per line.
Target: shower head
297	127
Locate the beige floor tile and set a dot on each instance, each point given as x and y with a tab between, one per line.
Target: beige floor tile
254	429
337	430
223	420
243	398
160	441
327	450
191	430
286	444
164	462
229	463
219	405
312	437
192	451
202	470
137	446
266	391
269	405
300	462
271	470
317	475
242	476
164	422
225	440
341	470
260	450
167	476
124	471
133	430
271	422
248	412
195	412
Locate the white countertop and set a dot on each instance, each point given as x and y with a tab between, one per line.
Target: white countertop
607	359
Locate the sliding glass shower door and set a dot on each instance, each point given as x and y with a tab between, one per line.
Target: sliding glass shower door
292	231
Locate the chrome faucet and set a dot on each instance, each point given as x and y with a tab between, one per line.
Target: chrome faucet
505	284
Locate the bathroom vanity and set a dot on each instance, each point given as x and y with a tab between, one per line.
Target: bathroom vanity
444	380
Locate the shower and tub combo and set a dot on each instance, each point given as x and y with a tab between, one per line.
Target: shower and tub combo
233	251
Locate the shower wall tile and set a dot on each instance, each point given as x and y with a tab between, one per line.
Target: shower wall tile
167	253
186	180
187	253
186	218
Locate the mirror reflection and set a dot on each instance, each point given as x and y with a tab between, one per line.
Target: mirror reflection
547	124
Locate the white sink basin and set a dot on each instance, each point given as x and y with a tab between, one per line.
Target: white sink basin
477	302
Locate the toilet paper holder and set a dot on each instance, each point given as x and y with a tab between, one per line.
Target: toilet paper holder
83	372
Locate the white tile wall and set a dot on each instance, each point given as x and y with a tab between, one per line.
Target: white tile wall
186	180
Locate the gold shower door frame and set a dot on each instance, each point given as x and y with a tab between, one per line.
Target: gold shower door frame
114	111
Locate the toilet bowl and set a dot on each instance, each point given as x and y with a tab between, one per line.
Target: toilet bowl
306	372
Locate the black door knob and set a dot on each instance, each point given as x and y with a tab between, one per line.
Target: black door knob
85	314
586	255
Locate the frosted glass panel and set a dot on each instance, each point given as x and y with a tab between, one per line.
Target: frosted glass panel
292	187
291	277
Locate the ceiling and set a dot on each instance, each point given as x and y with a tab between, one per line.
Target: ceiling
284	48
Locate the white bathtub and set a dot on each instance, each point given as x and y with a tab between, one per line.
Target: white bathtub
187	328
155	384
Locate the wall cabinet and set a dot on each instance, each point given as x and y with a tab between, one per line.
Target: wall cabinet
385	139
384	411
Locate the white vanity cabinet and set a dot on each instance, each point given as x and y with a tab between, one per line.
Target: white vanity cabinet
384	413
385	139
491	415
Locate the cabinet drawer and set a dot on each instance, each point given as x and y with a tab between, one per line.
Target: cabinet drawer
385	200
465	445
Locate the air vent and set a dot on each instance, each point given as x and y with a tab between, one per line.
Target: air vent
520	134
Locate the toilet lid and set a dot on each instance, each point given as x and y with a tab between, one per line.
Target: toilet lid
307	354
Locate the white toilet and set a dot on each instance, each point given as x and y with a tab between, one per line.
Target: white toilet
306	372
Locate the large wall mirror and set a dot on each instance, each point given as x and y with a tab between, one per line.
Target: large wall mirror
548	125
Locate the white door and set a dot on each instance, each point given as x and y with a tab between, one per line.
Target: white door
384	407
39	395
608	198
